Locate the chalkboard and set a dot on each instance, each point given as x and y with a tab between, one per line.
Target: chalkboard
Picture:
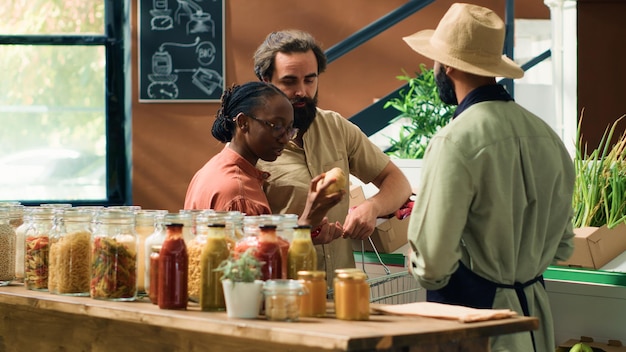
181	50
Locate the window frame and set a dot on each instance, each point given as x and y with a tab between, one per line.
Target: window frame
116	41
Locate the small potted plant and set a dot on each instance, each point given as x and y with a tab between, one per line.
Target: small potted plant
242	285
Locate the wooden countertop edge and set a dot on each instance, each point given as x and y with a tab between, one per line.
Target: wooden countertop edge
328	333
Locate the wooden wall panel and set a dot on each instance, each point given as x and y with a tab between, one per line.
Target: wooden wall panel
172	141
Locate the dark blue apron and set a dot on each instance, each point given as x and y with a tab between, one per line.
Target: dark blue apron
468	289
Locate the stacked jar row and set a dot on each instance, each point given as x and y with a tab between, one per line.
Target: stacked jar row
107	253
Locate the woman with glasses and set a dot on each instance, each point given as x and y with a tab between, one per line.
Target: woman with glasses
255	121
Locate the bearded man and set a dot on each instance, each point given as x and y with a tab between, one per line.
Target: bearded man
293	61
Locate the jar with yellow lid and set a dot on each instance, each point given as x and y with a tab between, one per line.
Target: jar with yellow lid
313	302
352	293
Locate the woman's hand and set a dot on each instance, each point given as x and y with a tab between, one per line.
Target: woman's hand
327	232
318	203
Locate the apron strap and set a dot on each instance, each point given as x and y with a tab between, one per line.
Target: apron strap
472	290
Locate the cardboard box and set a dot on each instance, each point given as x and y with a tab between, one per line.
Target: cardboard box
357	196
389	234
611	346
596	246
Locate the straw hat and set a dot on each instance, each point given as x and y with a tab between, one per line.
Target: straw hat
469	38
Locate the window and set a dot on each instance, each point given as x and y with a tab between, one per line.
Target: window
64	103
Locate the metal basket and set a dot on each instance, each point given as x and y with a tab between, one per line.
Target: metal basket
391	288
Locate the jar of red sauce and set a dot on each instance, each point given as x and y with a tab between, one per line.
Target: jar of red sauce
153	294
269	251
173	266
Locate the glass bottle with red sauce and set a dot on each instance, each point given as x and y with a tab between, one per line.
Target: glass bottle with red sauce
173	266
269	252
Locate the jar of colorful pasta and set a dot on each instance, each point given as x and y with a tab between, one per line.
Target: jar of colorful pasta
114	256
70	249
37	248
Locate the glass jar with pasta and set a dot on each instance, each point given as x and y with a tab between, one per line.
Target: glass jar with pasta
114	256
70	250
37	248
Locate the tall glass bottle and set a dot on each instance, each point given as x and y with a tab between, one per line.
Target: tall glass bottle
70	253
301	255
173	266
37	248
269	252
155	239
7	249
214	252
114	256
144	227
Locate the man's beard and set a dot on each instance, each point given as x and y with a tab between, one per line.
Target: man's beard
303	117
445	88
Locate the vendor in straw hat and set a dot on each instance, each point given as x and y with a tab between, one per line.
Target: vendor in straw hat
495	204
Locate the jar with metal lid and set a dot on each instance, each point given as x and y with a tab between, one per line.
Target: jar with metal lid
153	294
352	294
313	303
215	251
16	213
194	249
155	239
285	224
301	254
16	220
37	248
144	227
114	256
282	299
7	249
173	266
70	250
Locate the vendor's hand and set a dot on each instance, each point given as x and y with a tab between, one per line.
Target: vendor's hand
327	232
318	203
360	222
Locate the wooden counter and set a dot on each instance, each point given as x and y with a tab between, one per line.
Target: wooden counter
40	321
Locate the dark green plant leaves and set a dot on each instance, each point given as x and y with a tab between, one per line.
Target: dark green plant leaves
423	112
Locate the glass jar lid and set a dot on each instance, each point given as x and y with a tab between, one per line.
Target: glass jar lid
283	287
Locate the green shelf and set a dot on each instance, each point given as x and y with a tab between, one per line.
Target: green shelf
387	258
585	275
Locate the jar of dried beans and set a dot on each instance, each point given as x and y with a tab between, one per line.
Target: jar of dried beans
7	249
114	256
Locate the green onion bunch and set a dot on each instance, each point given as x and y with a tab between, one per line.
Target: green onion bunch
600	187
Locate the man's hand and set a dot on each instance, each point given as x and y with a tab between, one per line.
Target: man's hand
360	222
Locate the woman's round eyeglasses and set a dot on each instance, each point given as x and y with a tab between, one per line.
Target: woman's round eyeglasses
278	130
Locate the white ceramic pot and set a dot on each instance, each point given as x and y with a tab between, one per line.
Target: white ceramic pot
243	299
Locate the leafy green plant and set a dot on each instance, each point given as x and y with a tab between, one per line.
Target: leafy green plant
600	186
244	268
422	112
